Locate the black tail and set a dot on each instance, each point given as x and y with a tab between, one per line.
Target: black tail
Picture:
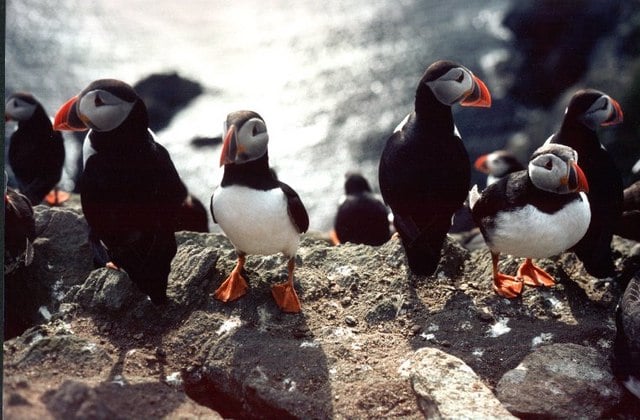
422	246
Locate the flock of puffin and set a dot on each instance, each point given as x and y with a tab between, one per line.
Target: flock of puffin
569	197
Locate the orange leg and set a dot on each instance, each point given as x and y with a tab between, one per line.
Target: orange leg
285	294
235	285
505	285
333	236
533	275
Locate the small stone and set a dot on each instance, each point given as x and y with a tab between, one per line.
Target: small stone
415	329
350	321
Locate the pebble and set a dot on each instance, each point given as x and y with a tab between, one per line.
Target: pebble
350	321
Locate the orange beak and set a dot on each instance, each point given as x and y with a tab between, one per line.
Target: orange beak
616	116
67	119
481	164
228	146
479	96
577	180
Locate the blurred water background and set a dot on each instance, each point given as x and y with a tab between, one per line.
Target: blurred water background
331	78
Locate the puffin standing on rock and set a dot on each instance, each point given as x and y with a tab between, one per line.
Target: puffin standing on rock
130	190
424	169
258	213
536	213
36	150
588	110
361	218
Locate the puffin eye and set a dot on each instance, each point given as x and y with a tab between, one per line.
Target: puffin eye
549	164
460	78
255	130
98	101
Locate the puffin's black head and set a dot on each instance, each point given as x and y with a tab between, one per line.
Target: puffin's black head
593	109
554	168
355	184
453	83
246	138
102	106
20	107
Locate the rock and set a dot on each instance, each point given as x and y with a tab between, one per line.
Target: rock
363	313
77	400
165	95
61	258
446	387
554	53
560	381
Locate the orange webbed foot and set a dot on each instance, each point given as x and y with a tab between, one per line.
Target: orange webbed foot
533	275
507	286
234	287
56	197
286	297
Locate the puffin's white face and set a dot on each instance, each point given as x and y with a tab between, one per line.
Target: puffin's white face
251	140
453	86
18	109
599	112
103	111
557	173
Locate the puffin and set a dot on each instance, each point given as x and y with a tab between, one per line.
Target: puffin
130	190
497	165
626	345
36	150
20	230
629	223
589	109
424	170
258	213
534	213
361	218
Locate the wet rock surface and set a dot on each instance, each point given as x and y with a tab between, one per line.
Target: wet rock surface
372	340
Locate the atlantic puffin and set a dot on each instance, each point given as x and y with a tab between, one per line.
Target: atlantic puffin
626	346
19	231
424	170
497	165
589	109
534	213
36	150
257	212
361	218
130	190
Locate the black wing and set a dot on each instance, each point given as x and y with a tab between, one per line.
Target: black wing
297	212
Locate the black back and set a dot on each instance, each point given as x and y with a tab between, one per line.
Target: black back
605	195
131	194
424	176
514	192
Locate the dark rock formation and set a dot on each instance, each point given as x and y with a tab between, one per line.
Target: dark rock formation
555	39
165	95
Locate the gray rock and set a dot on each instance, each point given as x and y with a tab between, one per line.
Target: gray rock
75	400
105	289
446	387
560	381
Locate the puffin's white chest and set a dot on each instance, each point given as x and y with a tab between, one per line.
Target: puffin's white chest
528	232
255	221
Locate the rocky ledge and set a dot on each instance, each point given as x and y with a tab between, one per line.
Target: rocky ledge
372	340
